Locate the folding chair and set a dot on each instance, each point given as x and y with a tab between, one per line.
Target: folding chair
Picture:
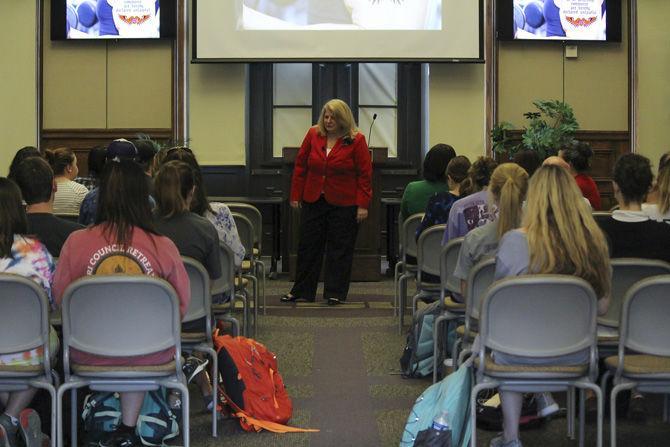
539	316
643	359
121	316
24	326
428	249
226	285
403	269
254	215
248	269
200	307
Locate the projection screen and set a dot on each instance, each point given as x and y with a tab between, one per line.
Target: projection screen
351	30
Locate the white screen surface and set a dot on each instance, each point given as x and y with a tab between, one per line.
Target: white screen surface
337	29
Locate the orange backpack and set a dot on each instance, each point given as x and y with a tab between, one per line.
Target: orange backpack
252	386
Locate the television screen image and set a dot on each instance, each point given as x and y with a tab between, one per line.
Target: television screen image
339	14
581	20
112	19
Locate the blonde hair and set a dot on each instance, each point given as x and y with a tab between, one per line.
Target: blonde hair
343	116
508	187
563	237
663	186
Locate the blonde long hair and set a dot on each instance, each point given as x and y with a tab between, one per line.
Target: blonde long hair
508	186
663	185
343	116
563	237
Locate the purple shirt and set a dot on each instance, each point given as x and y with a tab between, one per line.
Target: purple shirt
467	214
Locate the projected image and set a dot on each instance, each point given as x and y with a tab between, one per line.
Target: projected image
113	19
560	19
339	14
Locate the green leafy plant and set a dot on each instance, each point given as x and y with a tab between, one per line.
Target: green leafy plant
548	130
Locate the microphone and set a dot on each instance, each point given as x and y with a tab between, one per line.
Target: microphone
374	117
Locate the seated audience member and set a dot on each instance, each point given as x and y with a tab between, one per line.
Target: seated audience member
96	161
657	206
472	211
439	205
193	235
416	195
558	235
124	230
120	149
21	255
578	157
69	194
630	232
528	160
555	160
217	213
507	189
22	154
146	151
36	180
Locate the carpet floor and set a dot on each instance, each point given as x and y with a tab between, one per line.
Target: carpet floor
341	368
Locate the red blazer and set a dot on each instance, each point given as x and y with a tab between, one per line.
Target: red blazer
344	177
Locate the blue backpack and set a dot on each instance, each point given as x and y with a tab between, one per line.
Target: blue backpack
452	395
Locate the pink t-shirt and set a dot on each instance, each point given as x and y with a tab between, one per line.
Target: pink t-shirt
89	252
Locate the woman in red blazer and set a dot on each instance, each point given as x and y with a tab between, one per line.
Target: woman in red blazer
331	183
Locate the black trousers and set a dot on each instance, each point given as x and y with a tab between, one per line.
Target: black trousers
330	229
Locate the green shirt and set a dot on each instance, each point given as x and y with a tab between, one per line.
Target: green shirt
416	195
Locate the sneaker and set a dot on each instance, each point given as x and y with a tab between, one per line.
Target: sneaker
8	432
546	406
30	428
119	439
499	441
637	409
334	301
193	366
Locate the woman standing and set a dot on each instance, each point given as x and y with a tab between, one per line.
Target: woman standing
331	183
559	236
69	194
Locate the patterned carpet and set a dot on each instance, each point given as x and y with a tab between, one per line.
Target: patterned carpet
340	365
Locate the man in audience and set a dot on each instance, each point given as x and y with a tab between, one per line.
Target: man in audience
117	150
631	233
36	181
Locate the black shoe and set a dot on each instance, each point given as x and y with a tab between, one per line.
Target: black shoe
637	411
193	366
288	298
334	301
120	439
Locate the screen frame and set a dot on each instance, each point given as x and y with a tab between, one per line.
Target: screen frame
504	25
196	60
168	29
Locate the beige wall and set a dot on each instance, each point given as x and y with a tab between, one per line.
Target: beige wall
653	69
18	117
106	84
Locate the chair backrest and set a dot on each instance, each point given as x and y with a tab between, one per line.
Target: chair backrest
644	318
428	250
72	217
226	283
24	316
625	273
539	316
120	315
201	299
480	279
601	214
254	215
448	260
246	231
408	236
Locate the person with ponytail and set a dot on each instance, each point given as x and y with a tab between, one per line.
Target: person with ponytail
69	194
558	235
578	156
123	241
507	191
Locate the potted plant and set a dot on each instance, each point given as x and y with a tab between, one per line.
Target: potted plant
550	128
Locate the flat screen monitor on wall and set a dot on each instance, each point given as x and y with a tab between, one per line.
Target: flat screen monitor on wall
112	19
562	20
351	30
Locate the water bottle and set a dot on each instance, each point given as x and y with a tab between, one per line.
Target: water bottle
441	424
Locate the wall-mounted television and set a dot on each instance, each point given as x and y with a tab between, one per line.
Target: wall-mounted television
337	30
563	20
112	19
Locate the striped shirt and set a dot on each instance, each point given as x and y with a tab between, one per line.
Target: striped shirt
69	196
